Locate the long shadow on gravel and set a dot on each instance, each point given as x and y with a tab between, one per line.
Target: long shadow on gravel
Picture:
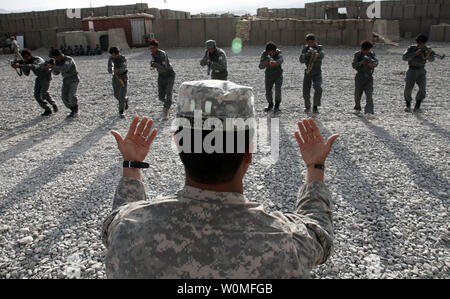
441	131
283	172
51	169
381	236
25	145
82	206
19	129
420	171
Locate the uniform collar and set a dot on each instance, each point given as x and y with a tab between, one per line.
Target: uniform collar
207	195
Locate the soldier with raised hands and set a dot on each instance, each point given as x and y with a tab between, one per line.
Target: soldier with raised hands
312	56
117	65
209	229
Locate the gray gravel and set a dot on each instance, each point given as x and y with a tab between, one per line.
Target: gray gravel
389	176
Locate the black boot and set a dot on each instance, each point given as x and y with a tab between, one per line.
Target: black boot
408	107
121	114
417	107
126	104
74	112
315	110
269	108
307	110
277	109
55	108
47	112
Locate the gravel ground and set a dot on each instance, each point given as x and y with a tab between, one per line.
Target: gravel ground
388	176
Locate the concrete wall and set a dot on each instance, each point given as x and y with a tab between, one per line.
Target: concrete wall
387	28
440	33
194	32
116	38
50	22
289	32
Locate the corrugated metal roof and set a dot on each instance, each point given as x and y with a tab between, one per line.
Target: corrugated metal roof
129	16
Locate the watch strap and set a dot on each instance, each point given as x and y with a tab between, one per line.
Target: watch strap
134	164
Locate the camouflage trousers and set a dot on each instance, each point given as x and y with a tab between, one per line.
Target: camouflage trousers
165	90
413	76
314	79
41	93
120	91
69	92
364	84
270	82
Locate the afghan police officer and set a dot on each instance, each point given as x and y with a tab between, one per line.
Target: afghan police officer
216	60
65	65
417	56
312	56
166	76
117	65
365	62
271	60
43	77
209	229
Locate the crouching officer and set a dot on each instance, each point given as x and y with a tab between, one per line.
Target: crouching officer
43	77
216	60
271	60
65	65
117	65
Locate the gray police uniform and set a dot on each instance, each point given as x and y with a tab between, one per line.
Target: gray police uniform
118	67
166	78
42	82
274	75
313	77
198	233
218	64
68	69
416	74
364	79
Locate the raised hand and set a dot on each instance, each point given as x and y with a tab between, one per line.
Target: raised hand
136	144
313	147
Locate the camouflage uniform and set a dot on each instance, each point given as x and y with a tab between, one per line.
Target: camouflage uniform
68	69
364	80
416	74
118	67
274	75
218	64
314	77
166	78
42	83
206	234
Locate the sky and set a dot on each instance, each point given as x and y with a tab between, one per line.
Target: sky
196	6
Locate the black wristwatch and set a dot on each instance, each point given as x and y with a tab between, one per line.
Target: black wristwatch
134	164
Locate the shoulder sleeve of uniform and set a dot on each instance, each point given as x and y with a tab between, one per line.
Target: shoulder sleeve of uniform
129	190
315	207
